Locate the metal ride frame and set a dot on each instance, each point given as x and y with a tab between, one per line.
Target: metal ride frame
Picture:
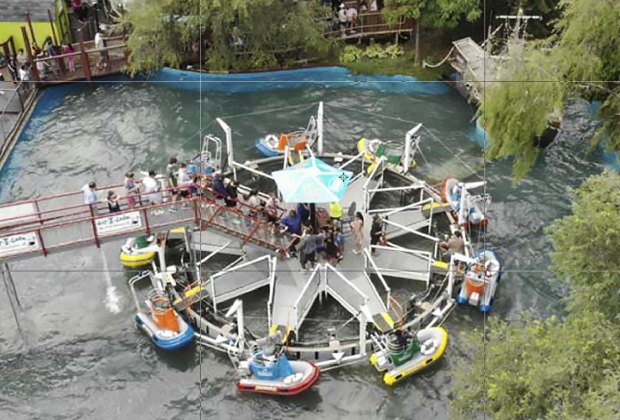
45	218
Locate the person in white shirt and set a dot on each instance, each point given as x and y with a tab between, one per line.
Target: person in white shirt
342	16
42	67
100	45
351	17
90	196
152	188
373	6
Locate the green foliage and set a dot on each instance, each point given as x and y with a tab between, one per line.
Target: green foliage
240	34
432	13
583	56
560	369
352	54
586	245
517	109
543	369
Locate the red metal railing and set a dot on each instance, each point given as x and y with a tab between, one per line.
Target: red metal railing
46	224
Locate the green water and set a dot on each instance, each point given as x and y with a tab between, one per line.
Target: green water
76	359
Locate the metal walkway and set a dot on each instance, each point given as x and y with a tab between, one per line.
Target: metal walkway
58	223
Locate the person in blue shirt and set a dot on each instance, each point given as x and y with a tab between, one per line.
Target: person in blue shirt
291	223
218	186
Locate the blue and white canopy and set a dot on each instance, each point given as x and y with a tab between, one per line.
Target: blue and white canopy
312	181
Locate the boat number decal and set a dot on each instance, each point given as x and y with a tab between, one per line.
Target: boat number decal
22	242
119	222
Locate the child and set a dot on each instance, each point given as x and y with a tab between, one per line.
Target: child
113	204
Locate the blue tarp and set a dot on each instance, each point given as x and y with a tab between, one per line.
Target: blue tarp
325	77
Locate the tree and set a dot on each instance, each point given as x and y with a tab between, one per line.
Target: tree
560	368
431	13
239	34
586	245
528	87
548	369
582	59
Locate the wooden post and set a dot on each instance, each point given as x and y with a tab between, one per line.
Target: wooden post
417	42
84	56
34	39
49	15
35	72
12	43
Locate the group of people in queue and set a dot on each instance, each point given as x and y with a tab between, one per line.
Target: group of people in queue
324	239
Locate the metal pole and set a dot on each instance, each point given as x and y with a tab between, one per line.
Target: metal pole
319	126
11	293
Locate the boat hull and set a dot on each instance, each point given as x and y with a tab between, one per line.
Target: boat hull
266	150
135	260
485	299
162	339
309	371
419	362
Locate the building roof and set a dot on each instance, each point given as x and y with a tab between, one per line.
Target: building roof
14	10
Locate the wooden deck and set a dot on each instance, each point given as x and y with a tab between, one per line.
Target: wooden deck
89	63
371	24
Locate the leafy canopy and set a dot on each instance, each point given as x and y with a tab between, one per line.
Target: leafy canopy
516	107
586	245
543	370
239	34
432	13
580	59
560	369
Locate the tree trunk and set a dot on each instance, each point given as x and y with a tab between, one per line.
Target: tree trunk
417	43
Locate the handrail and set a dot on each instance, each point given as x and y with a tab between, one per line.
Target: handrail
368	258
303	293
354	287
272	289
409	206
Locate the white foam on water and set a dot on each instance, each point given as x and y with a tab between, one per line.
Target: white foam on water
112	300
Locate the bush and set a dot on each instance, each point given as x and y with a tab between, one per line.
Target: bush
352	54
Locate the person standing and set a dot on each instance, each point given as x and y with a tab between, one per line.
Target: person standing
22	57
307	249
68	49
357	226
113	205
12	66
335	213
454	245
131	189
152	188
90	196
376	232
171	171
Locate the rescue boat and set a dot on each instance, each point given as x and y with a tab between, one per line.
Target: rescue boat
421	351
137	252
480	280
272	145
375	149
164	326
276	375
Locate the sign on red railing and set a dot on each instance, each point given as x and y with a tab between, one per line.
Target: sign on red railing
120	222
20	243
